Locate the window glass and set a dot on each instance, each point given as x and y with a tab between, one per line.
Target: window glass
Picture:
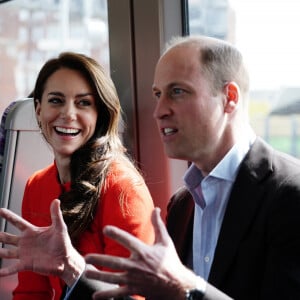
32	31
266	33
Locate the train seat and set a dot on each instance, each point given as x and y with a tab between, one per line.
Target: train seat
3	132
25	151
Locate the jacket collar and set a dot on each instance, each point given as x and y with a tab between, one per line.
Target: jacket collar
243	203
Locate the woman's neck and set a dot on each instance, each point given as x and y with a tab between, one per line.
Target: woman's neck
63	167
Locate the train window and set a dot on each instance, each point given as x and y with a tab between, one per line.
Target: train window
264	31
33	31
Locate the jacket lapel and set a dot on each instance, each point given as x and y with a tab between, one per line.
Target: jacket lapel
243	203
180	222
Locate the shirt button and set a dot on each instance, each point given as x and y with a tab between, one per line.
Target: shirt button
206	259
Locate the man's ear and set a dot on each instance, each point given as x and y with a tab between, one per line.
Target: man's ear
232	93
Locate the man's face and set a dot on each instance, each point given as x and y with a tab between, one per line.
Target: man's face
190	118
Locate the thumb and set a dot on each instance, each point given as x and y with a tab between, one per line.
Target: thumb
161	233
56	215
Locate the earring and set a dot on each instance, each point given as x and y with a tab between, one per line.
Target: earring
40	127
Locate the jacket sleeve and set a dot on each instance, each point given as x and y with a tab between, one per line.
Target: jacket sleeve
85	288
33	286
127	204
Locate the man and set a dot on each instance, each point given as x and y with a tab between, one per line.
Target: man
236	223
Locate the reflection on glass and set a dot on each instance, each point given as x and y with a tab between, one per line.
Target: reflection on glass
33	31
265	32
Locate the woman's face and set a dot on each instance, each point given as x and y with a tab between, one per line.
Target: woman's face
67	112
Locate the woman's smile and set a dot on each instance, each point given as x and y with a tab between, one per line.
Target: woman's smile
67	112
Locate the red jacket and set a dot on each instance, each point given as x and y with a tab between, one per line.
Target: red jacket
126	203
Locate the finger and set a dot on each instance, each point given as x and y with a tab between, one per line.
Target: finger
9	253
124	238
56	215
108	277
9	239
14	219
113	293
161	233
10	270
109	261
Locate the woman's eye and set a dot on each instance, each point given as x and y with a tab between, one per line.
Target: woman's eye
84	102
55	100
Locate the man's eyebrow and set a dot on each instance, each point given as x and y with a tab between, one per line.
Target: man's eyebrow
168	86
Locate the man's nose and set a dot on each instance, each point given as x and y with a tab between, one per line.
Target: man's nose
162	109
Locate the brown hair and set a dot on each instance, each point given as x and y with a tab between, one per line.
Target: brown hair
220	61
90	163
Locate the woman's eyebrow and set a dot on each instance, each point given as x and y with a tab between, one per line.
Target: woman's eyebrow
54	93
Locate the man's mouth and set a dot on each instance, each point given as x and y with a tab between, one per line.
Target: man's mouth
168	131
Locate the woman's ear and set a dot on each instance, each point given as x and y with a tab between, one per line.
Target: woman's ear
232	93
37	109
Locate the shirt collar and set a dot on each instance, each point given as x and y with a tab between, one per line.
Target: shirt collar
227	168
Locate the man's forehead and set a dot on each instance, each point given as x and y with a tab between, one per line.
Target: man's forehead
179	57
174	70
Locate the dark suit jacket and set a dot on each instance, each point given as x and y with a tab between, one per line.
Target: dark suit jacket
258	249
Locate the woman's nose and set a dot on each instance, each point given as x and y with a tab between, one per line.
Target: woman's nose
68	112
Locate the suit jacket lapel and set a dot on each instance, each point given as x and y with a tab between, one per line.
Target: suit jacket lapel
242	205
180	222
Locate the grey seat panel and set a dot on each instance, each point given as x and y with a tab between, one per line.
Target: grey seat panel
25	151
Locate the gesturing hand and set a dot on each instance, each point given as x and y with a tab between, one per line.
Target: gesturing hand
44	250
153	271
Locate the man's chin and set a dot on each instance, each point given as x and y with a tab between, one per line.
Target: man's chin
175	155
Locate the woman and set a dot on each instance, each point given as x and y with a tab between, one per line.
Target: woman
78	112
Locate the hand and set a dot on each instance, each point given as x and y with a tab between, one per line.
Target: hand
153	271
44	250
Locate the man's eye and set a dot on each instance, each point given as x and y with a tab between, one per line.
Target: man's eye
156	95
177	91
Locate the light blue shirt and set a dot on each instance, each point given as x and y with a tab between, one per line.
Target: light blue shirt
211	195
69	290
